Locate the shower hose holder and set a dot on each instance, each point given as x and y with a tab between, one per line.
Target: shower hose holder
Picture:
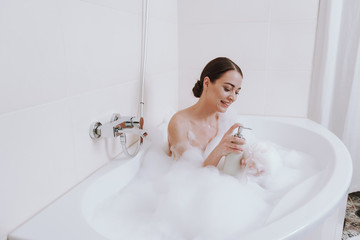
119	126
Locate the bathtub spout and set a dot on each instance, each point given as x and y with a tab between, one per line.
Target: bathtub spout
140	132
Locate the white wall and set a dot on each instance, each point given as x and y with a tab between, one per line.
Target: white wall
67	63
63	65
271	41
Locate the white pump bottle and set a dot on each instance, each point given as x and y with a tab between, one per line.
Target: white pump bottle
232	160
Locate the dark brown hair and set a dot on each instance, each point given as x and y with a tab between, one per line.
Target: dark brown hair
214	70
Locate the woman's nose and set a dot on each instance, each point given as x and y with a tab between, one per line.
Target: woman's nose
232	96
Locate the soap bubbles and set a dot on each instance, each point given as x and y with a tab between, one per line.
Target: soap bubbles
179	199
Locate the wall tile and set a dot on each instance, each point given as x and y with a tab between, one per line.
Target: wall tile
291	45
98	106
133	7
159	48
223	11
31	54
161	97
100	53
202	43
164	10
36	160
287	93
295	10
187	80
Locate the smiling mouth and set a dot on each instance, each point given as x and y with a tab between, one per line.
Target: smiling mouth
227	104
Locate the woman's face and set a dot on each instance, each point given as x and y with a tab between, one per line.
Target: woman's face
224	91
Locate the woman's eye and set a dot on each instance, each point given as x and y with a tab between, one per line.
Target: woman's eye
226	89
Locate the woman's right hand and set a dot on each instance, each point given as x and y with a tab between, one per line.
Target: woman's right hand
228	144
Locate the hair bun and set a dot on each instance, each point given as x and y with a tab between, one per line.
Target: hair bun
198	88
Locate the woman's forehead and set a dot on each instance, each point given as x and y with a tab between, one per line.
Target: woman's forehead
231	78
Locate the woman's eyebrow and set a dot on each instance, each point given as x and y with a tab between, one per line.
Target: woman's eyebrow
230	84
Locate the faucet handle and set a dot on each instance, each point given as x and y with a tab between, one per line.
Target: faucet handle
141	122
116	126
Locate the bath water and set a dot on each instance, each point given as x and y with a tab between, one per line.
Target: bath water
178	199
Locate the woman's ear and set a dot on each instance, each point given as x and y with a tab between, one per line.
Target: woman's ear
206	81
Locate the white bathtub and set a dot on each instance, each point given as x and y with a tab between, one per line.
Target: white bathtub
314	209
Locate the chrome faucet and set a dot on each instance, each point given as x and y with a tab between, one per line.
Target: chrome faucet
118	127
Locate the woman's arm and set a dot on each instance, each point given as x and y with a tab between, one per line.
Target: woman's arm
177	136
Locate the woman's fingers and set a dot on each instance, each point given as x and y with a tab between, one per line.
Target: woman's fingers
230	143
232	128
237	140
235	147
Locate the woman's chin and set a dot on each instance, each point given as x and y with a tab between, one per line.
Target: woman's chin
223	109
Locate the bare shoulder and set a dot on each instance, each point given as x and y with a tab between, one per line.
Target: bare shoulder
179	126
178	122
178	129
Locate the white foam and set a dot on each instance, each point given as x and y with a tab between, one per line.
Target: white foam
180	199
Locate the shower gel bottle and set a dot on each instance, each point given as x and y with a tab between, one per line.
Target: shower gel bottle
232	160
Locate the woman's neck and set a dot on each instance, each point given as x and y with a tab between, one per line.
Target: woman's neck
202	112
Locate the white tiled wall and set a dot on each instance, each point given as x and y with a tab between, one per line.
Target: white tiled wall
272	42
63	65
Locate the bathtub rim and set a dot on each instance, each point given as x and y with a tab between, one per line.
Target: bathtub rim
297	222
325	201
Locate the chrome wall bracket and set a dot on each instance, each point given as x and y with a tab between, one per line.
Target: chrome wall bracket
94	130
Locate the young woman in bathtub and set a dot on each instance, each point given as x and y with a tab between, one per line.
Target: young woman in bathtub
196	127
218	87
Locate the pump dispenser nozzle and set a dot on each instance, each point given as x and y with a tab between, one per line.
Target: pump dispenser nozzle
238	134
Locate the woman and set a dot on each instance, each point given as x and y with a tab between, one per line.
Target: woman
196	126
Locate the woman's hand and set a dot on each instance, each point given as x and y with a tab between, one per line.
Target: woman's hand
228	144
